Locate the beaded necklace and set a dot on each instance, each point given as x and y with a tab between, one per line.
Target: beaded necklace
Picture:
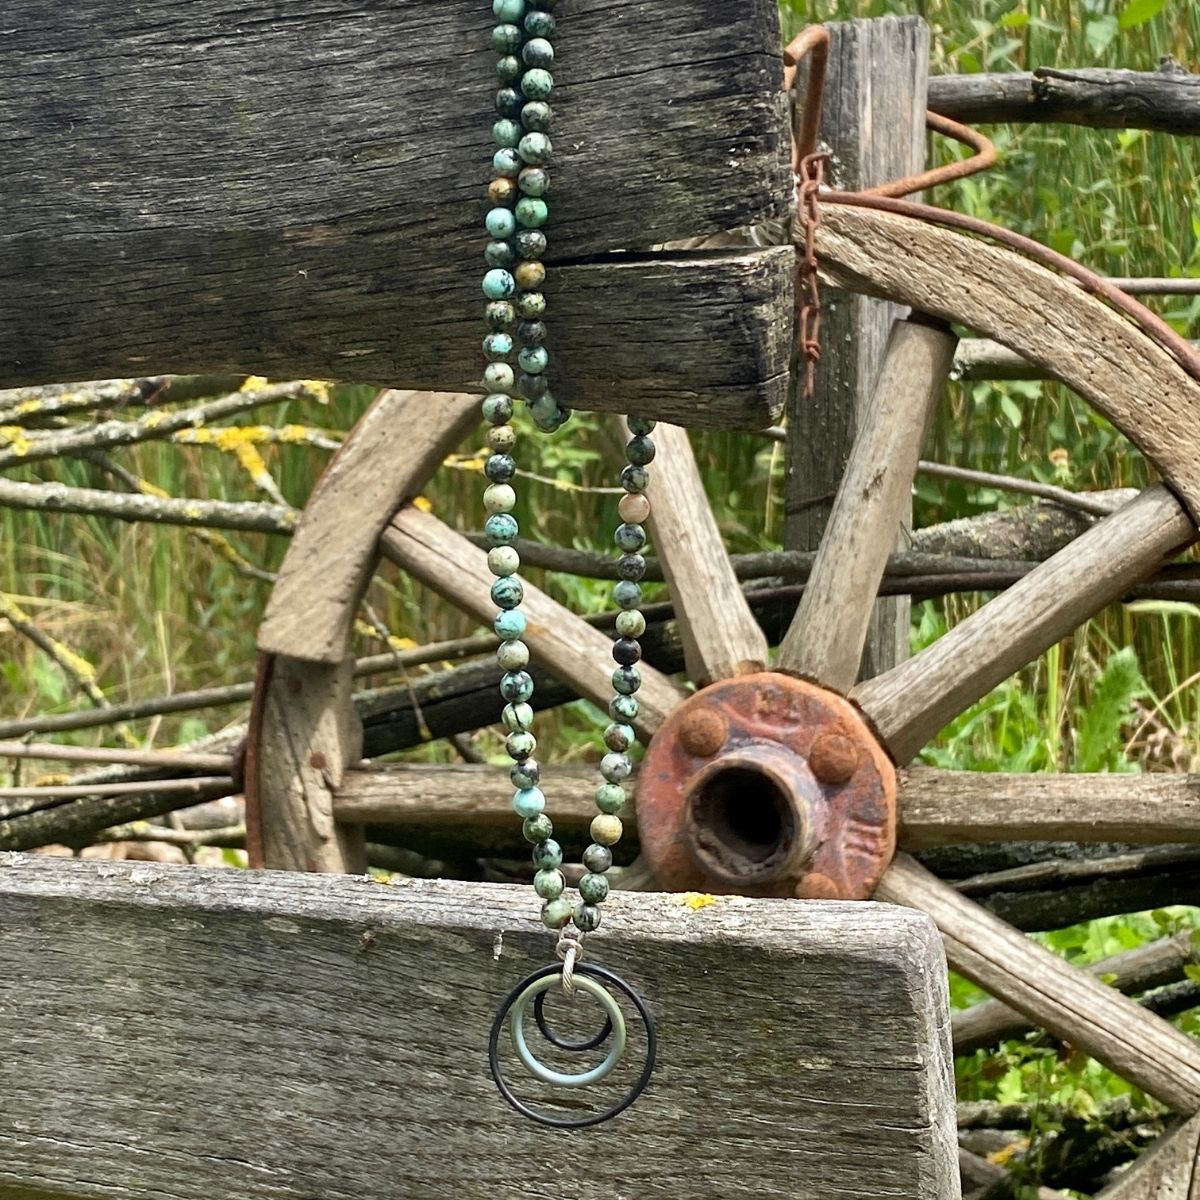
516	306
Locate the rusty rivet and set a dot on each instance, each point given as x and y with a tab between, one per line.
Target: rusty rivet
703	732
833	757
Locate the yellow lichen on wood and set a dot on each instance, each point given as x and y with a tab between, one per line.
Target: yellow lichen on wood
15	438
698	900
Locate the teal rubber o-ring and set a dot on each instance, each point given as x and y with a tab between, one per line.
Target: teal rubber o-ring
559	1078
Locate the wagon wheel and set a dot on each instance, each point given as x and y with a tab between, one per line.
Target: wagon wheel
784	781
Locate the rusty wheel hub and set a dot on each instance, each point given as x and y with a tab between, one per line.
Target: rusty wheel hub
768	786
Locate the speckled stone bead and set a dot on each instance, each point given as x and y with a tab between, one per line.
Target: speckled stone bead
631	624
515	685
631	567
539	24
586	918
509	625
507	132
507	38
624	708
504	561
500	255
531	333
537	829
619	736
509	10
533	360
593	888
528	802
537	84
531	305
508	593
634	508
633	478
509	68
547	854
556	913
499	376
531	213
520	745
512	655
538	52
626	651
533	181
532	387
497	345
499	285
535	149
549	884
531	244
507	163
500	468
597	859
627	594
530	276
626	680
499	498
501	314
640	425
503	190
509	102
497	408
610	798
606	830
629	538
501	223
523	774
537	116
615	767
517	716
501	529
501	438
640	450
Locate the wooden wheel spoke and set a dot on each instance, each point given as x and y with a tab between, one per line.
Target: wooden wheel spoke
720	635
562	642
1072	1004
826	638
911	702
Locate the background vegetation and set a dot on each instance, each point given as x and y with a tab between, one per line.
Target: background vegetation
154	610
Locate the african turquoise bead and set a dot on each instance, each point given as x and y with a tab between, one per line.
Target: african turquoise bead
501	223
509	102
547	854
549	884
597	859
504	561
640	450
627	594
586	918
631	624
537	829
501	438
501	315
626	651
619	736
501	528
515	717
610	798
506	38
606	830
623	708
508	593
534	181
499	498
531	333
528	802
516	685
633	478
531	304
534	359
539	24
508	10
500	468
509	625
556	913
523	774
532	214
499	255
533	387
502	191
506	132
593	889
537	84
498	345
631	567
530	275
512	655
497	408
640	425
499	285
629	538
615	767
520	745
531	244
499	377
538	52
537	116
506	162
535	149
626	680
509	68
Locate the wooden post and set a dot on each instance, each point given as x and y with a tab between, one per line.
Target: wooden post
874	123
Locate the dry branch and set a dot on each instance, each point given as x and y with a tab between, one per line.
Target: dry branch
32	405
166	759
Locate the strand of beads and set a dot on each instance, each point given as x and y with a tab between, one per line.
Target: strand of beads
512	286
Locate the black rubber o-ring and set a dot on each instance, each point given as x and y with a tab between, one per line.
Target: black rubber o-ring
539	1004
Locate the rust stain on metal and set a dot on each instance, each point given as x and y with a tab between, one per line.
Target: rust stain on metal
703	732
833	757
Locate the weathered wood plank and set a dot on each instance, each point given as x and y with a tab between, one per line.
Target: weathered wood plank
1169	1170
1070	1003
873	120
826	638
388	456
909	704
1166	100
1073	336
939	808
720	635
321	215
564	643
186	1034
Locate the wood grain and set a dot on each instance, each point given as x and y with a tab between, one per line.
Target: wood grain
873	119
566	645
939	808
1073	1005
1073	336
827	636
322	214
187	1034
720	635
1169	1170
398	443
909	704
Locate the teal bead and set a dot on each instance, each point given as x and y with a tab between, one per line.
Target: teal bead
497	345
509	625
556	913
626	680
533	359
506	162
537	116
499	285
531	305
528	802
501	224
504	561
508	593
626	593
500	467
497	408
629	538
538	52
631	624
610	798
534	181
520	745
547	854
532	213
516	686
537	84
623	708
506	132
499	377
501	314
614	768
597	859
499	497
509	102
593	889
539	24
527	773
499	254
535	149
501	528
552	421
512	655
517	717
509	68
506	38
537	829
549	884
620	736
508	10
586	918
